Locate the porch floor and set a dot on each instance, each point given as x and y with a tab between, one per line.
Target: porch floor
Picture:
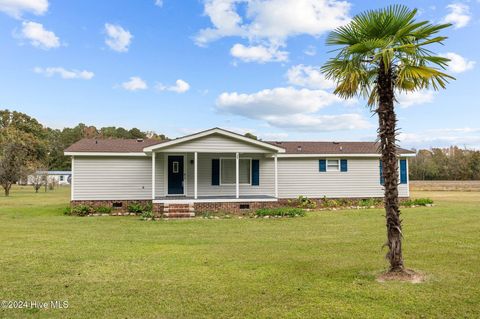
214	198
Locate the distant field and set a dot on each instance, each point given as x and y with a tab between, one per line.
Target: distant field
468	186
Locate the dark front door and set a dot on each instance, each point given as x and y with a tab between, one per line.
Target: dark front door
175	175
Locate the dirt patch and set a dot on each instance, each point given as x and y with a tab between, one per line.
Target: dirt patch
408	275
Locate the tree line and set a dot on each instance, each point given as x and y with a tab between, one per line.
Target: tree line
451	163
27	146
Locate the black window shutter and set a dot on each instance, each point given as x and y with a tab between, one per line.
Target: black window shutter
255	172
215	171
343	165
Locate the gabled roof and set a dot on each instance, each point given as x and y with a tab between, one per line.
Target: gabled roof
219	131
339	148
139	147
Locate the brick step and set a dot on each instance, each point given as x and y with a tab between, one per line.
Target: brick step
178	215
176	209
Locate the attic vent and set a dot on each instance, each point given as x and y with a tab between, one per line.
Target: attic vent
299	148
139	140
341	148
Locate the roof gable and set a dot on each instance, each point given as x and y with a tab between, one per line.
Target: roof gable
238	142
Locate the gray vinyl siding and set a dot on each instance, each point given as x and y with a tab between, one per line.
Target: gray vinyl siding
216	144
301	176
112	178
115	178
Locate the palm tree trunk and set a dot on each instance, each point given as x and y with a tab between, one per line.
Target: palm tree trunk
387	133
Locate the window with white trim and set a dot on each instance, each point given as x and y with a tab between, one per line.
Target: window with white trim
228	174
333	165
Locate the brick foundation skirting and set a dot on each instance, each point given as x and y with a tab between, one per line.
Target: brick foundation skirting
123	204
213	207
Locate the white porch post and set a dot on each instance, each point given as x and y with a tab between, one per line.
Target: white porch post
276	174
237	175
195	174
153	175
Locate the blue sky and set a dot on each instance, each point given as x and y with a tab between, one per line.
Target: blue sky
176	67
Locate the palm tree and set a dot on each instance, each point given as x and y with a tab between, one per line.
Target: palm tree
382	53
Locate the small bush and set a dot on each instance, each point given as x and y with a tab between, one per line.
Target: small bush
281	212
103	209
81	210
367	202
67	210
330	202
417	202
303	202
136	208
147	214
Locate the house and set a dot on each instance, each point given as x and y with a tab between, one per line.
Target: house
218	170
57	177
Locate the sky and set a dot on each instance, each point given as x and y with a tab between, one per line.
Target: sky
177	67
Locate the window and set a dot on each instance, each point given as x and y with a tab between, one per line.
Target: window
175	167
333	165
61	178
227	171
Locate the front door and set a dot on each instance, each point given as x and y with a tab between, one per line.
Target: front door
175	175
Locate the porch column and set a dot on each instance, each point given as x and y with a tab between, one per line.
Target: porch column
153	175
276	174
195	174
237	175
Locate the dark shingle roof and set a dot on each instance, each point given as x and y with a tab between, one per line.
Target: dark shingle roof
112	145
133	145
332	147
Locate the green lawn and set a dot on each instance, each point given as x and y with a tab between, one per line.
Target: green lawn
322	265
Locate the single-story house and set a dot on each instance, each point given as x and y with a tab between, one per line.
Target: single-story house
218	170
57	177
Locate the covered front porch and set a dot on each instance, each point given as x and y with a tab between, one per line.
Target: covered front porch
214	166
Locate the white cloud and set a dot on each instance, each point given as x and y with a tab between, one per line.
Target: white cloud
275	20
309	77
321	123
458	64
159	3
65	74
118	39
310	50
38	36
466	136
268	24
290	108
16	8
414	98
134	84
180	86
259	53
459	15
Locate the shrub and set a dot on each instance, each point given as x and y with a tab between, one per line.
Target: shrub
329	202
81	210
303	202
281	212
147	214
103	209
367	202
136	208
67	210
417	202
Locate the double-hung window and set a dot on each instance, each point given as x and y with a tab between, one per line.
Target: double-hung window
228	173
333	165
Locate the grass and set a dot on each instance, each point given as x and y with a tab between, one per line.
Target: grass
321	265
